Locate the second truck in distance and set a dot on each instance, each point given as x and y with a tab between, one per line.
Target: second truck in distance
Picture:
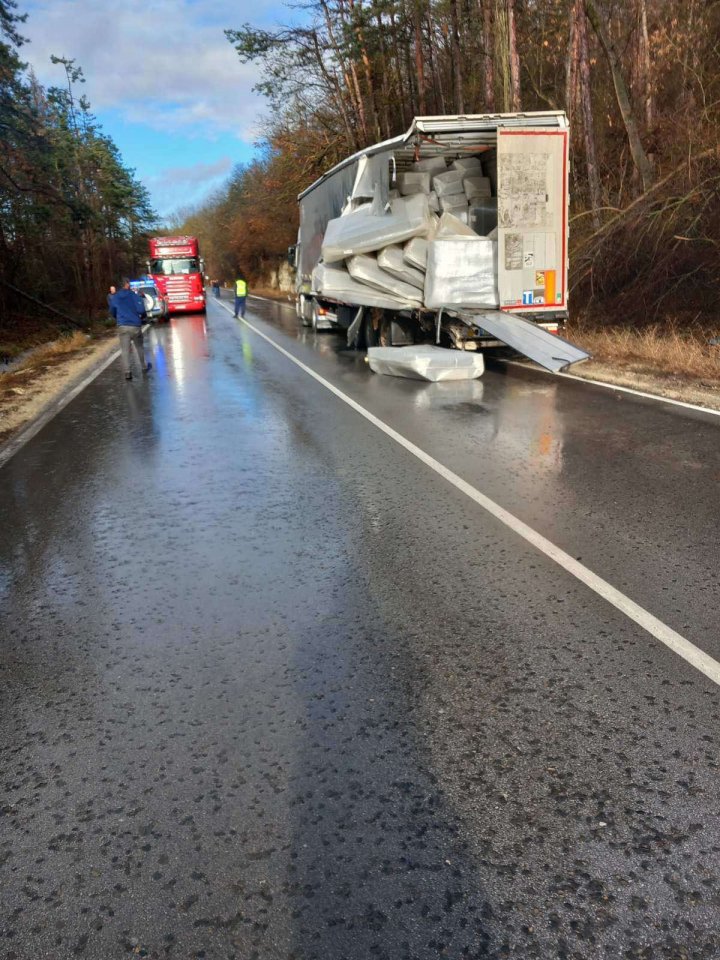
178	271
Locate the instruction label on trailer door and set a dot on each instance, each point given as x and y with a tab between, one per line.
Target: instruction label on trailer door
524	200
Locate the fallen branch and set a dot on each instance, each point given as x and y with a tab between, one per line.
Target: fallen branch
45	306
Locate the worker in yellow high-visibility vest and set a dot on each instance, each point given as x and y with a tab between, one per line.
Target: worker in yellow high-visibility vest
241	292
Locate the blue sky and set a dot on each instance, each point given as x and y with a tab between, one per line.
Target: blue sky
162	80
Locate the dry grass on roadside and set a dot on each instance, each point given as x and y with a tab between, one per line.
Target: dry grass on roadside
43	357
653	350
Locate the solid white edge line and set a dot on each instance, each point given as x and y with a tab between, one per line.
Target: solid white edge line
36	426
572	376
656	628
614	386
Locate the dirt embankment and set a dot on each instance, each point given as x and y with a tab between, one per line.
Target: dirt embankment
49	371
666	362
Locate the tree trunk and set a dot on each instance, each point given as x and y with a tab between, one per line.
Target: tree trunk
456	55
645	73
402	93
502	52
598	18
571	66
419	62
514	58
587	114
367	69
435	69
489	68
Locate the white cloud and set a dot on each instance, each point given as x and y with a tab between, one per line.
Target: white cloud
191	183
198	172
165	63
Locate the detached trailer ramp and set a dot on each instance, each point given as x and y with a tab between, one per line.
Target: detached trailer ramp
547	349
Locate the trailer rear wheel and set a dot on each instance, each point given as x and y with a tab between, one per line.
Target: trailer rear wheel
377	329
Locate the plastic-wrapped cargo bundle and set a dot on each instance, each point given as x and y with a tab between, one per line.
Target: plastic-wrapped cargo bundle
454	203
477	187
425	362
335	283
452	226
470	166
431	165
433	202
462	272
483	216
445	184
361	232
365	270
411	183
415	253
392	261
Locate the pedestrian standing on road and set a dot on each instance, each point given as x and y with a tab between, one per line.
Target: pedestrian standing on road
128	309
241	292
111	294
216	287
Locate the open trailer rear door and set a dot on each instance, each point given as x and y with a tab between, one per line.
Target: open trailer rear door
532	173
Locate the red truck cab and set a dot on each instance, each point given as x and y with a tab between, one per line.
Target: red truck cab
177	270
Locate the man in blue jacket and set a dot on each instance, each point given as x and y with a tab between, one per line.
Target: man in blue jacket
129	312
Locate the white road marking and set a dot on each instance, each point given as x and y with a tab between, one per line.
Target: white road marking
569	376
36	426
614	386
656	628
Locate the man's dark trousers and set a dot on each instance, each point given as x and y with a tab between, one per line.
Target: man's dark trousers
240	306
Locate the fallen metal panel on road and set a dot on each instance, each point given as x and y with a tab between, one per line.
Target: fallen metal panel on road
547	349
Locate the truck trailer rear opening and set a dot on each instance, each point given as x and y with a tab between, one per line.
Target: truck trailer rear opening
454	232
178	271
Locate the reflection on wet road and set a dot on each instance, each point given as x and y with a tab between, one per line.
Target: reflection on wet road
272	689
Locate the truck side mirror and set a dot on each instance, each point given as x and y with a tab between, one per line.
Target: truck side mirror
291	254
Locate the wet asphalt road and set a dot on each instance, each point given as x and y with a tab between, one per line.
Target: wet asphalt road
271	688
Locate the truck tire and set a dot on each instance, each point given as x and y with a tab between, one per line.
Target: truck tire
377	329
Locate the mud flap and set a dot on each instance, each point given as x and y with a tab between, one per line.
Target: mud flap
547	349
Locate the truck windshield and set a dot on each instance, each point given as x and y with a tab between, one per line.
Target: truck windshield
169	267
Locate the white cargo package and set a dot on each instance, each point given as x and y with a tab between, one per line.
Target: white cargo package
433	202
471	166
410	183
392	261
426	362
361	232
445	184
335	283
452	226
461	272
432	165
415	253
365	270
476	187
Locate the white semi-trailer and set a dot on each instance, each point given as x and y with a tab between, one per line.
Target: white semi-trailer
455	232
